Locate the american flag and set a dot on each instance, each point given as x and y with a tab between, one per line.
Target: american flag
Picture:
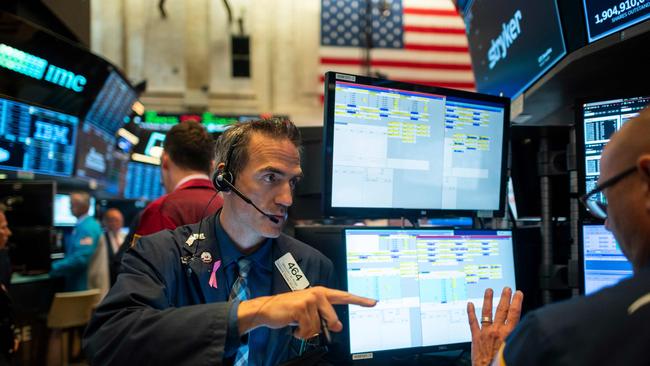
416	41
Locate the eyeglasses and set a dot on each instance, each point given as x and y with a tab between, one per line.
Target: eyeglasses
597	206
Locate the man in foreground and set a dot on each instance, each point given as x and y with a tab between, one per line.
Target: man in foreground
211	292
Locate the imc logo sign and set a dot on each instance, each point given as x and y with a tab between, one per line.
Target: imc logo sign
38	68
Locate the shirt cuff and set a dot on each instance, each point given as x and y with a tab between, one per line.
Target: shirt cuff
233	338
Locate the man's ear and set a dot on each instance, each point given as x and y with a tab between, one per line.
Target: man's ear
643	165
164	161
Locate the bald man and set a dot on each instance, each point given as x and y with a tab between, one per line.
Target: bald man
612	326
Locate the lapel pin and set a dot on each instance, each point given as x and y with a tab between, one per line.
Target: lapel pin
206	257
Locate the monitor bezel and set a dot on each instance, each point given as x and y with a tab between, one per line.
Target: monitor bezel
384	212
387	354
584	216
581	257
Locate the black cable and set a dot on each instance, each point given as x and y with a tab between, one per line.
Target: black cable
161	7
202	217
228	11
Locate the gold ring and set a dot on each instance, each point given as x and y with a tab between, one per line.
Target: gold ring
486	319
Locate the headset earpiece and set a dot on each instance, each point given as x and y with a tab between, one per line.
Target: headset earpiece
219	176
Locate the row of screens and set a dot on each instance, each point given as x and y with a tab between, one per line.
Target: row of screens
43	141
423	279
513	43
50	137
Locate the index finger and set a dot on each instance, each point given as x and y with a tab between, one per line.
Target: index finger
337	297
473	322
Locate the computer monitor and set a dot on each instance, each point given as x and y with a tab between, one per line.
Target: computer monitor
512	43
394	149
596	121
423	279
29	203
606	17
602	261
150	147
36	139
143	181
62	214
100	159
112	106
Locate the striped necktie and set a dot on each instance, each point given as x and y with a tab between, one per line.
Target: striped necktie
241	292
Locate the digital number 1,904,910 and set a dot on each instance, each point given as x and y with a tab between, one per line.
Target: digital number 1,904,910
616	10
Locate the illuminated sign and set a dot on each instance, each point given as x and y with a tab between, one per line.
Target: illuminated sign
38	68
152	120
500	45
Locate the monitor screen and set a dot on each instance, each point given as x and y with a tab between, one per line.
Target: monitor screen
29	203
600	119
603	262
143	181
423	280
100	159
512	43
112	106
36	139
605	17
150	147
397	149
62	214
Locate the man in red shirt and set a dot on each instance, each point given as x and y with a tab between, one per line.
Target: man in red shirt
186	163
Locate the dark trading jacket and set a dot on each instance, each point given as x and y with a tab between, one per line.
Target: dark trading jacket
163	312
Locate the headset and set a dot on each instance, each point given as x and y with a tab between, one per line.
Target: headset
223	179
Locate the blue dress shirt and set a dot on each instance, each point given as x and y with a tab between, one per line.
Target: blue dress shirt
259	284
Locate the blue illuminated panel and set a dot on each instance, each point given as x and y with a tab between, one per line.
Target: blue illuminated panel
36	139
423	280
22	62
605	17
603	261
143	182
601	119
112	106
512	43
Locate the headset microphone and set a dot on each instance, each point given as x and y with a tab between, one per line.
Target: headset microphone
223	181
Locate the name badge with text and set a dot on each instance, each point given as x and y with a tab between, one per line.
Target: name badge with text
292	273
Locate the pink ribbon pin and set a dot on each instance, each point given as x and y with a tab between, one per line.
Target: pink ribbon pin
213	275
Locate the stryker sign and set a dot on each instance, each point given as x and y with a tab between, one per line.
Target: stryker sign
499	48
38	68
